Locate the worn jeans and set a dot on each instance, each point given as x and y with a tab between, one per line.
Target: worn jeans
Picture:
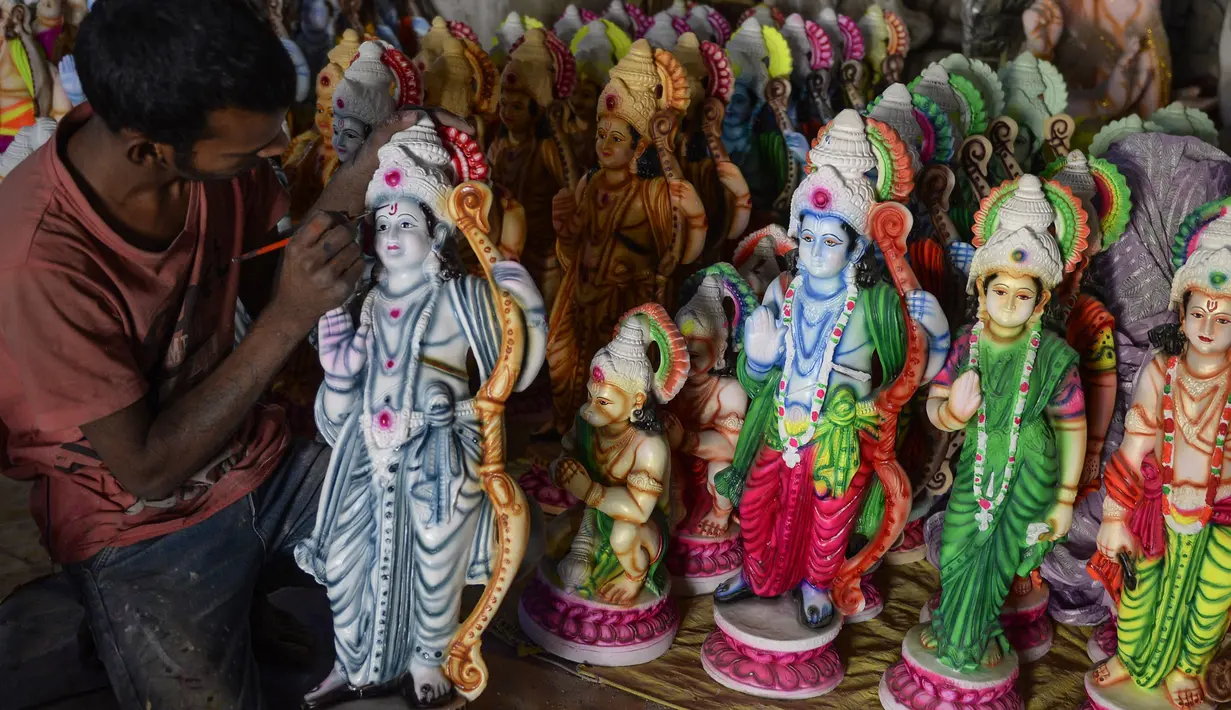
170	615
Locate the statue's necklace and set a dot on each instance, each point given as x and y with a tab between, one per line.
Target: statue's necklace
813	313
790	454
1168	459
984	494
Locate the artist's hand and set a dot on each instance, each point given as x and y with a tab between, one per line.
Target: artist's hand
965	396
1114	537
342	349
1060	520
798	145
320	268
764	339
563	205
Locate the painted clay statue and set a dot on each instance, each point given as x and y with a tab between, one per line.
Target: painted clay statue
765	14
1174	119
314	32
888	42
991	29
26	81
1035	91
1089	328
309	161
463	80
812	72
597	47
921	124
956	96
761	257
763	143
49	28
856	80
1014	387
601	596
627	227
376	83
1114	55
415	503
509	31
707	416
815	462
702	155
531	157
1164	519
275	11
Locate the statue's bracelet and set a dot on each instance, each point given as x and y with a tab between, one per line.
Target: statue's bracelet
1066	495
594	495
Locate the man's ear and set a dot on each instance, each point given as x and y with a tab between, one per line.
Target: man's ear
146	153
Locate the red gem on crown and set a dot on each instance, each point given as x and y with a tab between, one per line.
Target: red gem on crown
393	178
821	198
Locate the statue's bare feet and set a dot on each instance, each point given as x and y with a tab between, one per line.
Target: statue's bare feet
993	654
733	589
430	687
1185	690
332	682
1021	586
1110	672
815	608
714	524
620	590
927	638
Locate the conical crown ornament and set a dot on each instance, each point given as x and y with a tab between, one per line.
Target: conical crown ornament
450	80
1021	243
828	193
366	91
625	361
1028	207
644	82
530	69
934	84
416	165
663	33
597	47
569	24
845	146
1076	176
896	108
687	51
1203	251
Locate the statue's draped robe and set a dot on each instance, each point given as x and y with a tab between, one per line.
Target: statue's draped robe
402	529
534	179
977	567
791	531
591	300
1177	615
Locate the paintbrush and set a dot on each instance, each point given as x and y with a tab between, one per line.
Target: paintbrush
281	243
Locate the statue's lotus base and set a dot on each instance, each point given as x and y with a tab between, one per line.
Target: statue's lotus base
761	649
593	632
1127	695
1024	620
921	682
699	564
1103	642
873	601
538	487
911	547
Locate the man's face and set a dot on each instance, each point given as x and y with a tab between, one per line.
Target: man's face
235	141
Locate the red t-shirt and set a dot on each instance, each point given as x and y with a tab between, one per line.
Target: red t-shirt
90	324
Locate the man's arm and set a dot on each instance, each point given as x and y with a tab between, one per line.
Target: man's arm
153	453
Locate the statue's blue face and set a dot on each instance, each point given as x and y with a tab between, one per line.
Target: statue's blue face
316	14
825	247
741	107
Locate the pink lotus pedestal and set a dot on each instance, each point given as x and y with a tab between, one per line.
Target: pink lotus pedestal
1024	620
921	682
538	487
911	547
699	564
761	649
1127	695
1103	642
590	631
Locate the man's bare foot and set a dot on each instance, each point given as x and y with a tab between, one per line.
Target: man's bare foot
429	683
620	590
927	638
1185	690
993	654
714	524
1021	586
332	682
1110	672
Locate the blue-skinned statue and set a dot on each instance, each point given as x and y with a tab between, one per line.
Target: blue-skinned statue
815	465
758	130
314	33
415	504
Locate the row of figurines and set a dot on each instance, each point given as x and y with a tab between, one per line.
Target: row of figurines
785	415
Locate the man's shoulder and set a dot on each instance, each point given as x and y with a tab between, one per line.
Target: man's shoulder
27	199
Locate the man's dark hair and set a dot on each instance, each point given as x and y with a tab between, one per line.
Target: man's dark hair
160	67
